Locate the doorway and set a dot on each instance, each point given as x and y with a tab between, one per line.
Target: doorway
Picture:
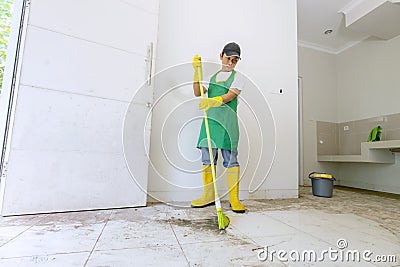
77	94
300	122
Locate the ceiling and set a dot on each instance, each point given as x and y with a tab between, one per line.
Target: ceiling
316	16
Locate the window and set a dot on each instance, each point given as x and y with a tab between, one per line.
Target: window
5	22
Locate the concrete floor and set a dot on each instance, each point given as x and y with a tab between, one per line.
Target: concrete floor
162	235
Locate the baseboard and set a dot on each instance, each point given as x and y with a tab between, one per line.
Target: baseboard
182	196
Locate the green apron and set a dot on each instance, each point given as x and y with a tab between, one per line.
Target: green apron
222	120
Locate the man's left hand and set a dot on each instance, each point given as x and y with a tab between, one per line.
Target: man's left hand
207	103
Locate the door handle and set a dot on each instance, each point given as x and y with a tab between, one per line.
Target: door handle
149	60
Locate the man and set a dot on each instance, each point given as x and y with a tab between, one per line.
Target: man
221	106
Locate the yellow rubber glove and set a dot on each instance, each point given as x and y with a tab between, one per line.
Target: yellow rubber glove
196	63
207	103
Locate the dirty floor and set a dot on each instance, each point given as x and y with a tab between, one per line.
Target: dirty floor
353	228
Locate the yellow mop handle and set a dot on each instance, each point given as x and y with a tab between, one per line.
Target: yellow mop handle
217	201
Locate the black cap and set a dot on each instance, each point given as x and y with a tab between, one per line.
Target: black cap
231	50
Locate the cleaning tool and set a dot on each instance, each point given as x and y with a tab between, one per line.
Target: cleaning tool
223	220
208	196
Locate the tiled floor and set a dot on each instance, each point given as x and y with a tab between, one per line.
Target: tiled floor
161	235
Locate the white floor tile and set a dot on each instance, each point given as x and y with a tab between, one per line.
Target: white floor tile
11	227
149	256
52	239
152	212
195	213
70	259
124	234
7	233
302	218
224	253
25	220
257	225
203	230
78	218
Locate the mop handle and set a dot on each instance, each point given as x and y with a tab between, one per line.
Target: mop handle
217	201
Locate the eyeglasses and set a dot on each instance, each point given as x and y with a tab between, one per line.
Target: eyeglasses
234	60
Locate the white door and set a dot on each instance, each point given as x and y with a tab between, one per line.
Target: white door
77	141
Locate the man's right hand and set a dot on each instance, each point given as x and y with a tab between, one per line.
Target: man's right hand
196	63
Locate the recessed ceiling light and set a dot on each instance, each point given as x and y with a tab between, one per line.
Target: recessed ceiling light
329	31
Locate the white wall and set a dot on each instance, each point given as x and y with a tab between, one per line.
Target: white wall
377	177
368	80
266	31
318	72
369	86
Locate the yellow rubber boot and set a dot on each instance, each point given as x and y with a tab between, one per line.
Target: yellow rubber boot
208	196
232	177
